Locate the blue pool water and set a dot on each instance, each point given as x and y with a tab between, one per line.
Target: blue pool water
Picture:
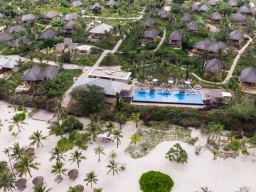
174	97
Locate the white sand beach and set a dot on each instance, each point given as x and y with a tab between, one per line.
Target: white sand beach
200	171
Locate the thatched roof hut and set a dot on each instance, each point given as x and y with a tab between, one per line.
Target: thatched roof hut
186	17
212	2
203	8
70	16
38	180
6	37
235	35
216	16
193	26
76	4
194	7
164	14
47	34
151	34
245	9
239	18
233	3
111	3
149	22
203	45
176	36
213	66
216	47
15	29
27	18
248	75
69	25
73	173
50	15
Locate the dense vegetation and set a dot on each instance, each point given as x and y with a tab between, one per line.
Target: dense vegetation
155	181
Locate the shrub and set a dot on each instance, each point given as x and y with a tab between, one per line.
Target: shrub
176	153
155	181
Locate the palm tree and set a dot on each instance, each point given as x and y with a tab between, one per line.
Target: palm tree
121	119
7	181
41	188
93	129
136	118
110	126
60	111
217	129
135	138
77	156
7	151
58	169
57	154
36	138
99	150
113	167
97	190
18	121
17	151
25	164
91	178
57	128
117	134
72	189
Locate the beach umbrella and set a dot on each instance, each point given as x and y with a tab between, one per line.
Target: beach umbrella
187	82
73	174
170	81
30	151
79	188
38	180
21	183
155	80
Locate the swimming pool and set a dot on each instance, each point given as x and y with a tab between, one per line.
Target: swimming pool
174	97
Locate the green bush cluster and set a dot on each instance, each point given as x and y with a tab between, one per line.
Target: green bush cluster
155	181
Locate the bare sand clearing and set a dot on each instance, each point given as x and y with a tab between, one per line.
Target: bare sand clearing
200	171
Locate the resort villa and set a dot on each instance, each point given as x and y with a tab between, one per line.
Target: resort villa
248	78
48	17
98	31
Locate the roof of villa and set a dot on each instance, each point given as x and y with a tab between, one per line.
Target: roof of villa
27	17
215	47
101	29
16	43
50	15
233	3
194	7
15	28
176	36
238	17
6	37
111	3
76	4
214	65
46	34
69	25
38	74
245	9
149	22
7	63
216	16
253	9
235	35
212	2
186	17
248	75
110	87
164	14
203	45
193	26
70	16
151	34
203	8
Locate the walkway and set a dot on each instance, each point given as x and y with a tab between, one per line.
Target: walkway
231	70
161	42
